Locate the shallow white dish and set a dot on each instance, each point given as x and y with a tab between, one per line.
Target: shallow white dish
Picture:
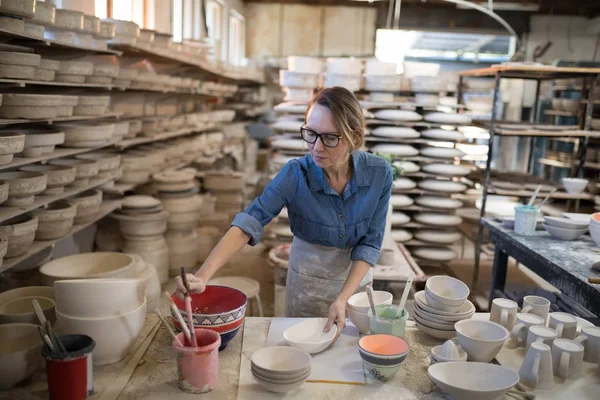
446	169
309	336
399	218
437	236
395	132
448	118
438	185
400	200
438	219
442	254
579	217
564	234
445	203
441	152
466	309
277	387
473	380
404	184
574	185
407	166
434	325
401	150
401	235
443	134
566	223
398	115
281	359
455	317
436	333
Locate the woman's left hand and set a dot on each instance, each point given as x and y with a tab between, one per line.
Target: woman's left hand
337	315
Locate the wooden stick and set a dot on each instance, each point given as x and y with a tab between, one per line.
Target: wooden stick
594	280
188	309
40	314
175	310
45	340
54	339
160	316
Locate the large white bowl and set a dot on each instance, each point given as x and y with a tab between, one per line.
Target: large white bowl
433	303
566	223
574	185
20	353
360	301
20	310
99	298
447	290
309	336
281	359
595	234
360	320
482	340
473	380
564	233
114	336
88	265
281	377
465	309
42	291
436	333
433	325
278	387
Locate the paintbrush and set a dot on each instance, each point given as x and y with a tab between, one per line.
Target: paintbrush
55	340
177	314
40	314
188	307
46	340
160	316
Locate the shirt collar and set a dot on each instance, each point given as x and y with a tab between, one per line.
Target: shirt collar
317	180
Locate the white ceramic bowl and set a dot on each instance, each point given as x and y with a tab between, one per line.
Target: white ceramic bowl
20	310
114	336
433	303
437	358
574	185
473	380
281	359
595	234
20	353
282	377
436	333
447	290
360	301
43	291
434	325
360	320
88	265
309	336
429	319
482	340
442	318
465	309
563	233
278	387
566	223
99	298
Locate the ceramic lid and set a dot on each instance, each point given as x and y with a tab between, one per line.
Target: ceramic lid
138	201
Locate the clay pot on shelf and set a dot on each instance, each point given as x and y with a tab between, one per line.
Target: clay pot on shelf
23	230
11	142
153	250
23	187
58	177
88	205
84	169
55	221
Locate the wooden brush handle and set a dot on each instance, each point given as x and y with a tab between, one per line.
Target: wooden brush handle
594	280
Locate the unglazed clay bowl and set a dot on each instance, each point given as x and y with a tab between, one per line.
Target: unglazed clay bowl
88	205
382	354
360	301
447	290
309	336
55	221
23	186
218	308
433	303
466	309
20	353
99	298
482	340
114	336
360	320
21	310
278	386
89	265
22	236
58	176
473	380
283	361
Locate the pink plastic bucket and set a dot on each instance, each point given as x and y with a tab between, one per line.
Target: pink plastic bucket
198	369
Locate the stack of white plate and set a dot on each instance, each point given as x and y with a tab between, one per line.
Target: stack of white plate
280	369
564	228
442	304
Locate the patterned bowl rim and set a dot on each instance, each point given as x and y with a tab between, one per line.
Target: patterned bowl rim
212	325
389	356
382	366
221	313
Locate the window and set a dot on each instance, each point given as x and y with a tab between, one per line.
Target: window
236	39
177	29
101	9
214	19
139	11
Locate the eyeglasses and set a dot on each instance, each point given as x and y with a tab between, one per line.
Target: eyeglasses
328	139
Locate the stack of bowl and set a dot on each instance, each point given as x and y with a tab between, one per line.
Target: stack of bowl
358	308
219	308
110	311
565	228
20	353
442	304
595	228
280	369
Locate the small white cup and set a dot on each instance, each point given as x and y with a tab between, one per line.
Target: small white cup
540	334
520	330
564	324
536	305
590	340
504	312
567	358
537	369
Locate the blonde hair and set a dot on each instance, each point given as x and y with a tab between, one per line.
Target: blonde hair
347	114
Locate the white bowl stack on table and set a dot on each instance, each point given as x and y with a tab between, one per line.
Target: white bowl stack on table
441	305
574	185
594	228
358	307
565	228
280	369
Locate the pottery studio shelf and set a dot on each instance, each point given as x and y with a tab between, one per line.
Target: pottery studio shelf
119	189
419	243
41	201
529	193
107	207
416	207
415	124
554	163
368	105
57	153
4	121
560	113
420	140
162	136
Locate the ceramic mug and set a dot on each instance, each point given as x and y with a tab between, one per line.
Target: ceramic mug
504	312
537	305
537	369
564	324
520	330
590	340
540	334
567	358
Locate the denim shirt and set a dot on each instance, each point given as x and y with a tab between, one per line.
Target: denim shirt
318	214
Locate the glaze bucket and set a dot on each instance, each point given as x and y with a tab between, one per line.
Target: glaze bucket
390	320
526	219
198	368
70	375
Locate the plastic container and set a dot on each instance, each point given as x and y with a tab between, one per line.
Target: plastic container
390	320
526	219
198	368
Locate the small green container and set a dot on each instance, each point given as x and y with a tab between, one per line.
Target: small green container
389	320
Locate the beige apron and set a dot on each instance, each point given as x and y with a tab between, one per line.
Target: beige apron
315	277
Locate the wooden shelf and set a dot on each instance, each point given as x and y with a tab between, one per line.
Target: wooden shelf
57	153
421	140
41	201
592	165
416	242
106	208
415	124
586	101
530	72
565	87
4	121
529	193
560	113
540	133
120	189
554	163
162	136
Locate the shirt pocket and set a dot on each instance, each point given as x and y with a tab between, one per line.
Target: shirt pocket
314	231
361	228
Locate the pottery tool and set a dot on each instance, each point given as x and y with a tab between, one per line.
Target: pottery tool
55	340
520	395
40	314
406	291
594	280
164	321
46	340
534	195
547	197
371	301
177	314
188	308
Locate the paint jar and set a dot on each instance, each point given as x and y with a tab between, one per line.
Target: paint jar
526	219
198	368
70	375
390	320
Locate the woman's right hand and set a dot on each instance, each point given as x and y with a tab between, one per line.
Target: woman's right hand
196	284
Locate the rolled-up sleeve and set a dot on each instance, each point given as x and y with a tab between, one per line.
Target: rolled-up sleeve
281	191
368	247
